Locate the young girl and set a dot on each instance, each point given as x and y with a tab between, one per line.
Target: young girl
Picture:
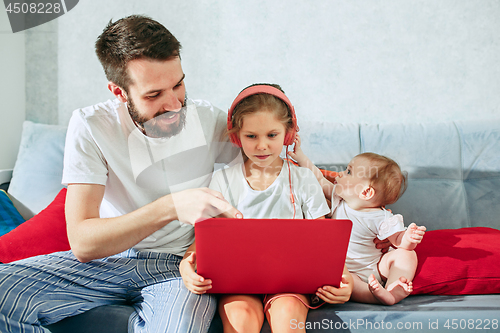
260	121
360	193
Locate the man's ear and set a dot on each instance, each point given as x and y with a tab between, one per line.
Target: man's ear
367	193
118	92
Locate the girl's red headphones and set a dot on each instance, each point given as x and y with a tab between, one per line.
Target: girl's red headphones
262	89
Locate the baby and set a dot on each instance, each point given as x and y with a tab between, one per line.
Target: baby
360	194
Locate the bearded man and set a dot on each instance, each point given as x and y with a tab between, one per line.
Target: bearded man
136	168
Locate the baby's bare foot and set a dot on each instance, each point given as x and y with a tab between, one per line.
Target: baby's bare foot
394	293
380	293
400	288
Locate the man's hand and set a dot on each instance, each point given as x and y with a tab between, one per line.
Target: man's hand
193	282
383	245
195	205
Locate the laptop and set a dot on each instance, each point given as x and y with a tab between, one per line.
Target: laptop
267	256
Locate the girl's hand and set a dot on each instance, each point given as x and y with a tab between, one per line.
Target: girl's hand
193	282
334	295
414	233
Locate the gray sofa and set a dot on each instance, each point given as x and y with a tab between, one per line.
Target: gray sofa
454	177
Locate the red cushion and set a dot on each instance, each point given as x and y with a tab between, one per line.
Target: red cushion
44	233
458	262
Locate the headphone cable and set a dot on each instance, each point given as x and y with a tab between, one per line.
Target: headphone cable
292	199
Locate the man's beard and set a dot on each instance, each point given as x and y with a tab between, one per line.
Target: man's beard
151	128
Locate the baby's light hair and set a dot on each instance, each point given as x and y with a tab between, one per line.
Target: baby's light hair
386	177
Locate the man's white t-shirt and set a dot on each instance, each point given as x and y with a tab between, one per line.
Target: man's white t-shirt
103	146
273	202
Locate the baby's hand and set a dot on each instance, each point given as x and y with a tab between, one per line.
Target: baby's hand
193	282
414	233
297	154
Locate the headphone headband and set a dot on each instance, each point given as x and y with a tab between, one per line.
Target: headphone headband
262	89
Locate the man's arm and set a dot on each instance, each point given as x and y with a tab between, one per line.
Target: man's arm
92	237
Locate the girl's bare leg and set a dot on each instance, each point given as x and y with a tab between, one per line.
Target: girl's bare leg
286	310
241	313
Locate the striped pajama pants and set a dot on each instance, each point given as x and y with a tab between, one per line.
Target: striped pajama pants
45	289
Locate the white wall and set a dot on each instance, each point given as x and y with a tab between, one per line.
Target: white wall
359	61
369	61
12	91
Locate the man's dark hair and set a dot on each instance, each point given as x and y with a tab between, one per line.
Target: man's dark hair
131	38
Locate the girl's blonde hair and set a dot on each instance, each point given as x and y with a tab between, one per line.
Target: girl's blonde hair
261	102
386	177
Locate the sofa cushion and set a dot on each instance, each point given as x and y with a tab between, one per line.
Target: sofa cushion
37	174
320	142
431	154
480	142
9	216
44	233
458	262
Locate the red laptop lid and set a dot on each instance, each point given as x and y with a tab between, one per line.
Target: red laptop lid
266	256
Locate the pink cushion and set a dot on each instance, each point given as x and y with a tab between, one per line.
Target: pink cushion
458	262
44	233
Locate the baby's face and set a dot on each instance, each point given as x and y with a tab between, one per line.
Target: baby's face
354	179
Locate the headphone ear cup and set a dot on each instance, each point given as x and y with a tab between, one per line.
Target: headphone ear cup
233	137
289	138
292	133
